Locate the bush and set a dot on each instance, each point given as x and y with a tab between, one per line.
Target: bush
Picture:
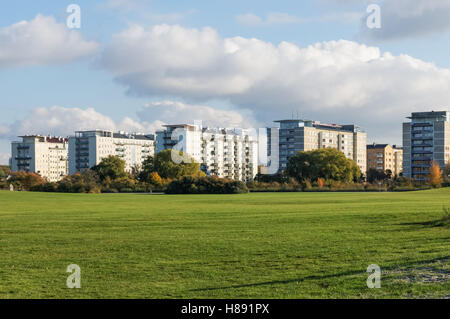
47	187
205	185
26	180
110	190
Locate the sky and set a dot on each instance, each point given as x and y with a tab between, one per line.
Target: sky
136	65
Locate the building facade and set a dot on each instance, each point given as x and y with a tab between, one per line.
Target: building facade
88	148
384	158
300	135
221	152
426	138
43	155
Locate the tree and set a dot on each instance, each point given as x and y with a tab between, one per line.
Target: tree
86	182
320	182
374	175
326	163
112	167
435	177
27	180
166	168
147	168
155	179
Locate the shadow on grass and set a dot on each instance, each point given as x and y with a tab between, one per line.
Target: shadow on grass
443	222
347	273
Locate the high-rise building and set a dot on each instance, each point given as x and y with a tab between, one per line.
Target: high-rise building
88	148
301	135
221	152
425	139
384	158
44	155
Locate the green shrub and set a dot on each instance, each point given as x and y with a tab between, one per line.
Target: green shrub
205	185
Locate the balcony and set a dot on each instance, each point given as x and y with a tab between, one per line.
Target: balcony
421	158
421	152
422	137
422	144
420	165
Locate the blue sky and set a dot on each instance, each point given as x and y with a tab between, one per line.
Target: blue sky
97	74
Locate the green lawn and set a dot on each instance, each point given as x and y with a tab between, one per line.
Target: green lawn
288	245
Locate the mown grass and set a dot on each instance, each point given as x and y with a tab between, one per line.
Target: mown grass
269	245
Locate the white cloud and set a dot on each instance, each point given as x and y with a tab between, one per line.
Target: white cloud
410	18
63	121
57	120
181	113
41	41
340	80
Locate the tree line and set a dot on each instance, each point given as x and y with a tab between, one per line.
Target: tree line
318	170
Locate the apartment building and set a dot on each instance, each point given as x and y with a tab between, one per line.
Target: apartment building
44	155
88	148
226	153
305	135
384	157
426	138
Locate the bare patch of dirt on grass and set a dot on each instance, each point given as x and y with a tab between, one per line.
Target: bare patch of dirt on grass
437	271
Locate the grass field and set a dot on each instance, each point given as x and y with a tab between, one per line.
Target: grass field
272	245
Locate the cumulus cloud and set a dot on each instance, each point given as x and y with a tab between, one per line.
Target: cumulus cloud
41	41
340	80
410	18
57	120
65	121
181	113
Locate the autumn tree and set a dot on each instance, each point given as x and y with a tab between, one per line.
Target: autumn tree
155	179
27	180
435	177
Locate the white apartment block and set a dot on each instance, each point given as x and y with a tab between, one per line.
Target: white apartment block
301	135
88	148
226	153
44	155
